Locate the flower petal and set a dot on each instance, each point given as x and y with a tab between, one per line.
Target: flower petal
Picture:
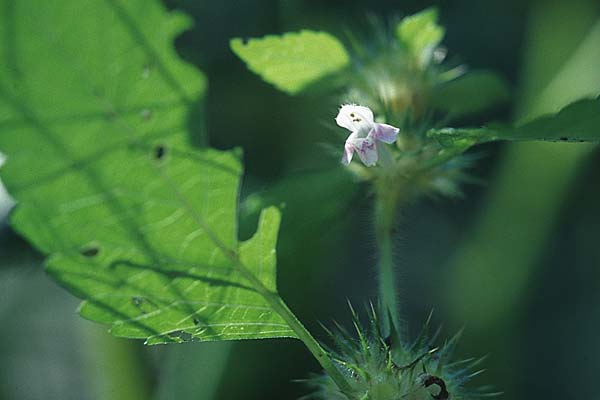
367	151
385	133
355	118
348	153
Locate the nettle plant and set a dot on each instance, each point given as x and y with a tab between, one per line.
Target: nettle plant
142	225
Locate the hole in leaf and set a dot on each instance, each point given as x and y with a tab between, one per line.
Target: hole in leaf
196	321
159	152
90	251
137	300
143	304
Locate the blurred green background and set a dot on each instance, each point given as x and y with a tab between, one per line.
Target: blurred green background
516	261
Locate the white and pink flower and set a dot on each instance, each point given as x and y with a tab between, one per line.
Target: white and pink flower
365	133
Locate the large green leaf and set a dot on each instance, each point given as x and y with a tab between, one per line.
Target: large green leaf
293	61
94	110
577	122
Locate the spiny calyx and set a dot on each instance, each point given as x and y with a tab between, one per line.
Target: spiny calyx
383	365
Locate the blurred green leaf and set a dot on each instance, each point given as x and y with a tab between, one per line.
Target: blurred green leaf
577	122
294	60
327	191
421	34
136	221
473	92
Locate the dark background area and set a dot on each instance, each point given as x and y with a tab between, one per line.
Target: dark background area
515	261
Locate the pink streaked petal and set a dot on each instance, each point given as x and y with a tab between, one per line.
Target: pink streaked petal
348	153
367	151
385	133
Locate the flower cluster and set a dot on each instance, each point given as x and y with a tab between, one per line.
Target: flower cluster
413	165
401	88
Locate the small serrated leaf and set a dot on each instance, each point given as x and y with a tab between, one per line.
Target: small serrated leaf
292	61
421	34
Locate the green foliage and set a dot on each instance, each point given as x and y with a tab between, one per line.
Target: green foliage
330	189
473	92
577	122
421	34
134	219
293	61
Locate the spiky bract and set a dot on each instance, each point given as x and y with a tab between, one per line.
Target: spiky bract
384	366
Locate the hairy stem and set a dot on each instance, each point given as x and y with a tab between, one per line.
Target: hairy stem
386	204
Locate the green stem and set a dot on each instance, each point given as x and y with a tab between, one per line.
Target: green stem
386	204
279	306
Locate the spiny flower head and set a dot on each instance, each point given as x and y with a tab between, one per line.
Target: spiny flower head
386	367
